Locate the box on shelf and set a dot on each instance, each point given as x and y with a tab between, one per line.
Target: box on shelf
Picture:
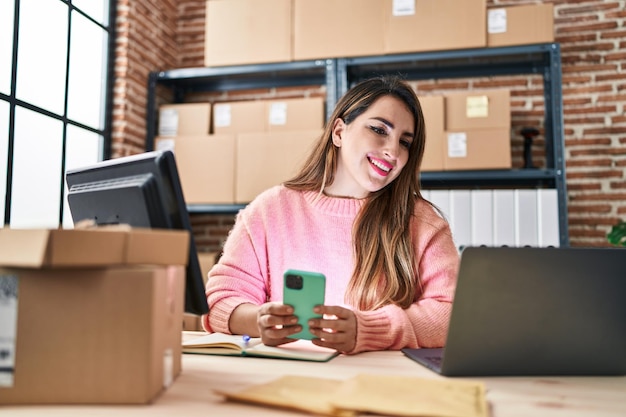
478	130
184	119
247	32
520	25
97	314
478	149
433	109
272	115
337	28
267	159
295	114
433	25
240	117
206	166
478	109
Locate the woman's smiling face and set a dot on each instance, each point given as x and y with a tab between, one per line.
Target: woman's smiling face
373	149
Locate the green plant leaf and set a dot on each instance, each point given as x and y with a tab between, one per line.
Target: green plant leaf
617	234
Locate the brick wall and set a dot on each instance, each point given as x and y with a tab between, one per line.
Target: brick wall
146	41
163	34
593	41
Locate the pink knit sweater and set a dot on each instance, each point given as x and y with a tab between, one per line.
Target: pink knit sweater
284	229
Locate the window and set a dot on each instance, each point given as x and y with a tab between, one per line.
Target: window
54	93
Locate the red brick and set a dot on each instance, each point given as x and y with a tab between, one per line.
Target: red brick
573	186
599	197
590	163
601	173
587	142
588	208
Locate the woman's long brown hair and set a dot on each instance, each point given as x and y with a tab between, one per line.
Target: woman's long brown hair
385	271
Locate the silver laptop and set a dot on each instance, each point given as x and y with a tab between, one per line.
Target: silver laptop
535	311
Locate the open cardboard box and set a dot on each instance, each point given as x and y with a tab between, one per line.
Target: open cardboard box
97	314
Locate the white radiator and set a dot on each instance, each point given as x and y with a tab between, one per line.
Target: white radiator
500	217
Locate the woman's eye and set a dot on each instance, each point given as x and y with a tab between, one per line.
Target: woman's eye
406	143
378	130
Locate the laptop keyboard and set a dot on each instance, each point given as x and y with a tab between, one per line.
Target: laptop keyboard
434	359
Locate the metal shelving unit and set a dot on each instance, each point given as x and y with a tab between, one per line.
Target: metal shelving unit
241	77
339	74
540	59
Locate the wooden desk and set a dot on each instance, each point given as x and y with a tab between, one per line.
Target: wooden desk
191	394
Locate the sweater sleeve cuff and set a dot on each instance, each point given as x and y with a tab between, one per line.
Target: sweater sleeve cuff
372	331
219	315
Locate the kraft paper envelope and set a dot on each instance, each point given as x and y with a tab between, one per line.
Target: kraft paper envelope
408	396
293	392
379	394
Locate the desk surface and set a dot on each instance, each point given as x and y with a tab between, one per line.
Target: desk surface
192	394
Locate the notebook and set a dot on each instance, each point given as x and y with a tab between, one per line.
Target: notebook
535	311
238	345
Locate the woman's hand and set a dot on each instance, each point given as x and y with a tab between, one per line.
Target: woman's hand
276	322
337	328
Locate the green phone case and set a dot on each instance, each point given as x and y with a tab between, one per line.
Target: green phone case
311	293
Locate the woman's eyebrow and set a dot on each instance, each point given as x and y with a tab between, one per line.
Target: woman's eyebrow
385	121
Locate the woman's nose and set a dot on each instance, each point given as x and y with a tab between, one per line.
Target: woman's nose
392	148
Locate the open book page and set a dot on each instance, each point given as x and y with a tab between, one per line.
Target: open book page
219	344
300	349
237	345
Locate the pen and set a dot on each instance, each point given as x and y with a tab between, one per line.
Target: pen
246	340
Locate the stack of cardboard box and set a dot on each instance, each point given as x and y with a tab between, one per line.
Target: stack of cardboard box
233	151
478	125
247	146
467	130
263	31
90	316
434	118
201	159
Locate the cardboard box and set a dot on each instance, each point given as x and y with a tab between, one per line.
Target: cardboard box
268	159
98	247
520	25
192	322
207	260
478	149
184	119
164	143
295	114
486	109
433	109
274	115
247	32
240	117
206	167
337	28
89	329
433	25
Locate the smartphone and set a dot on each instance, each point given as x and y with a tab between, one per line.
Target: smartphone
303	290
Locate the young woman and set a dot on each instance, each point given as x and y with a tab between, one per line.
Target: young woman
354	213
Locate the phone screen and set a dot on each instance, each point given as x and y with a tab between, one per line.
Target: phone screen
304	290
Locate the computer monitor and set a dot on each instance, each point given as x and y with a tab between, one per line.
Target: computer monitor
142	191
